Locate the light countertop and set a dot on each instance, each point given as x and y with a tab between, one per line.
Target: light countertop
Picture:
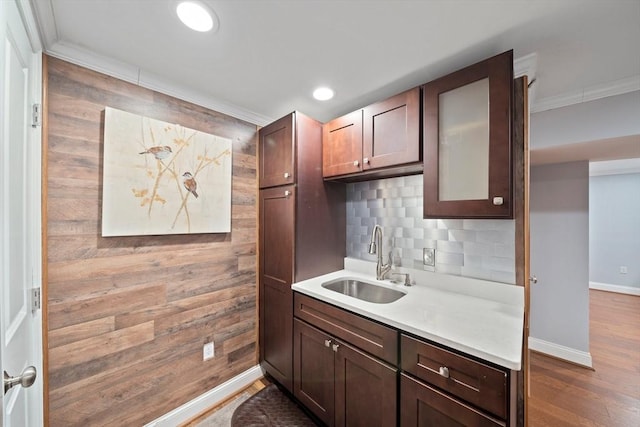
477	317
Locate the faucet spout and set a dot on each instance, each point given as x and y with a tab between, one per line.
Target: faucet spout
375	247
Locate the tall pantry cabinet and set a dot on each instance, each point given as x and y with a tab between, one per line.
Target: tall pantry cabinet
301	231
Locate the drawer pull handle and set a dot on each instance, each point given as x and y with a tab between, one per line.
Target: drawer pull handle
356	163
444	371
335	347
287	193
327	343
286	175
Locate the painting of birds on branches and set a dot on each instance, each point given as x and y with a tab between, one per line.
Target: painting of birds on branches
163	178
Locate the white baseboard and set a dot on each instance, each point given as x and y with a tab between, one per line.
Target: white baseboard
561	352
201	403
629	290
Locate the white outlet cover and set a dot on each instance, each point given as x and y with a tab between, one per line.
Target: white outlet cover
208	351
623	269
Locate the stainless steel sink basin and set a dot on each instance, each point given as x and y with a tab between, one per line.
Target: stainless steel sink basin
363	290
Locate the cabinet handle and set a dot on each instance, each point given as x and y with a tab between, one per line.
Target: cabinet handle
498	201
327	343
356	163
444	371
286	175
287	193
365	160
335	347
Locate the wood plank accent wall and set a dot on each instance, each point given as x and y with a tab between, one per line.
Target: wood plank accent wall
128	316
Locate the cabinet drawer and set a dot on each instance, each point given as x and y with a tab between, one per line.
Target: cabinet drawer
367	335
424	406
476	383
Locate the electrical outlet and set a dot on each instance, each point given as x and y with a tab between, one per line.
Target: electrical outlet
623	269
208	351
429	256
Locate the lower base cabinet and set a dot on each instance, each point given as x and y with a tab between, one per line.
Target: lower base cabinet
314	371
340	384
426	406
351	371
276	326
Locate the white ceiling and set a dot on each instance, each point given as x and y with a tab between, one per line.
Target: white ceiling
269	55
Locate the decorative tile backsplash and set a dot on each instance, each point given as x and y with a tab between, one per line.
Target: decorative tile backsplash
479	248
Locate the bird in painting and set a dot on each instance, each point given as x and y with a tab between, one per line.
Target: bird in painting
160	152
190	183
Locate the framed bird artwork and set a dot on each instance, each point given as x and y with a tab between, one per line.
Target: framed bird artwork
163	178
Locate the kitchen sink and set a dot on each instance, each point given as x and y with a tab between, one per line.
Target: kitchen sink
364	290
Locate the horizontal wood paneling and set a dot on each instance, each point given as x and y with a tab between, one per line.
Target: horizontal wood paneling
127	316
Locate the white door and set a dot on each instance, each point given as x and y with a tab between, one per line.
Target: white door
20	207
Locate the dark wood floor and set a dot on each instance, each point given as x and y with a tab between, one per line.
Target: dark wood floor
563	394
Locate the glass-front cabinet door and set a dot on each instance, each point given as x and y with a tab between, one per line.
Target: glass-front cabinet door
467	141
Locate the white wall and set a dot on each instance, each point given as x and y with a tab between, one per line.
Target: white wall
559	208
614	229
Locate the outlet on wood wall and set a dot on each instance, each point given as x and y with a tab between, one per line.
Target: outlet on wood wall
127	317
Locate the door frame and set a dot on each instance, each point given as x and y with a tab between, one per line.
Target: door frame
520	146
34	202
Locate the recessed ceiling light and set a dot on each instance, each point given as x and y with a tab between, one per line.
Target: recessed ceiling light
197	16
323	93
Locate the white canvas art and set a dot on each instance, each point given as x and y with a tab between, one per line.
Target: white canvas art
162	178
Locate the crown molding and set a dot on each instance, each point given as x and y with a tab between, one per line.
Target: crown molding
589	93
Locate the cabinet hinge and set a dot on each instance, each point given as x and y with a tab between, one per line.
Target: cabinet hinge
37	115
35	299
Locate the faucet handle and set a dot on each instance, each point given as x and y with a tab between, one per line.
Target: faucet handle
407	278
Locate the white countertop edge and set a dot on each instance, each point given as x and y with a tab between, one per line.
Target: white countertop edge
506	353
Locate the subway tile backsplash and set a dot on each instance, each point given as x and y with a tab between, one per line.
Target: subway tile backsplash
478	248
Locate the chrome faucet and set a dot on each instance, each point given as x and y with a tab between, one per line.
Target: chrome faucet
375	247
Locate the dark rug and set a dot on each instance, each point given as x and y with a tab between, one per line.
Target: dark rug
270	407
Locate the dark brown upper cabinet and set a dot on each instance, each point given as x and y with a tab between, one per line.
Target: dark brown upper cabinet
381	136
467	141
392	131
277	153
342	145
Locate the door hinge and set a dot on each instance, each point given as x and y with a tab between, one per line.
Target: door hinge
37	115
35	299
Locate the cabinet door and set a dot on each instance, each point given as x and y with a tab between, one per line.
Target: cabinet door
277	206
467	142
366	389
342	145
424	406
313	361
277	153
391	130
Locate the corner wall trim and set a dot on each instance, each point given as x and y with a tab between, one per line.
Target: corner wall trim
629	290
206	400
561	352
